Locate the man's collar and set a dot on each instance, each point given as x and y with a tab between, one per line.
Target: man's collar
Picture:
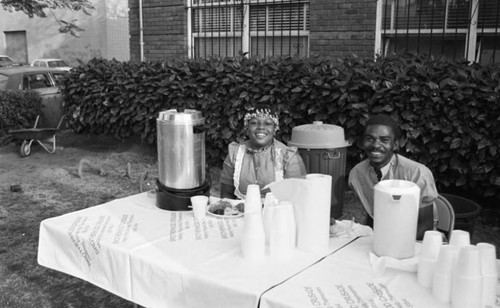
385	169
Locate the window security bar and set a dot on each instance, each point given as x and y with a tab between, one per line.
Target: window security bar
458	29
251	27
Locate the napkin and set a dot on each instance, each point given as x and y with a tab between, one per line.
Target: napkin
348	229
380	263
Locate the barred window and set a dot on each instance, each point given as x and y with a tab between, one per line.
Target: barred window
253	27
458	29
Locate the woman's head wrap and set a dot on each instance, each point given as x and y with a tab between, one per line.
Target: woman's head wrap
264	113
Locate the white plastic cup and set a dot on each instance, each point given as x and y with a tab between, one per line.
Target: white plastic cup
199	205
253	202
253	238
293	222
460	238
431	244
487	254
466	289
443	272
267	213
429	253
280	240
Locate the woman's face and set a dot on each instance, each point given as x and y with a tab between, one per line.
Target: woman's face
260	131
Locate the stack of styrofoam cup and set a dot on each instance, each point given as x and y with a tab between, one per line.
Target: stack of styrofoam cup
253	203
253	238
443	272
270	202
487	254
465	274
466	287
431	245
281	241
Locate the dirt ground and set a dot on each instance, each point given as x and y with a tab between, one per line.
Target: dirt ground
83	171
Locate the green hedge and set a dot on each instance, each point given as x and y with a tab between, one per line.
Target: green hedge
449	111
18	109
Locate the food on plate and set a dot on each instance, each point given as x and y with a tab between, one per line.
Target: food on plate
226	208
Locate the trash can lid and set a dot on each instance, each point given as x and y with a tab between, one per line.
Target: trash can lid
318	136
176	117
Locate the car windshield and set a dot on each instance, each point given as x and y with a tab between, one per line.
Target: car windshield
6	61
59	63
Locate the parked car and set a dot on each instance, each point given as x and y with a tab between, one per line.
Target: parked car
43	80
54	63
6	61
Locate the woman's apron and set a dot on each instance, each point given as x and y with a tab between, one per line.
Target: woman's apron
278	168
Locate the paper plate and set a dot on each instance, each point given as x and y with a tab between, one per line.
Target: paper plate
215	203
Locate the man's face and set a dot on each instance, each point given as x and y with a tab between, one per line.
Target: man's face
379	143
260	131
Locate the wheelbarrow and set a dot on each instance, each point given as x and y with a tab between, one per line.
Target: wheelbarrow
46	137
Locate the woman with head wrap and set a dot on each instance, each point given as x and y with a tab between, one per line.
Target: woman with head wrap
259	160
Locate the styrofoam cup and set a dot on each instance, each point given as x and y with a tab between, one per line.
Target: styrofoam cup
199	205
487	254
459	238
425	272
469	263
443	272
467	280
281	241
431	244
253	202
253	238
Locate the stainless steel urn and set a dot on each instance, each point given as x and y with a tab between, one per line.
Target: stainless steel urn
181	149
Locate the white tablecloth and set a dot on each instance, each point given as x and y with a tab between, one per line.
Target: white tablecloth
346	279
159	258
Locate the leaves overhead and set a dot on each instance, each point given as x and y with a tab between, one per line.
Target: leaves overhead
40	8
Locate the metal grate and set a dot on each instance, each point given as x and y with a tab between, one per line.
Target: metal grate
458	29
254	27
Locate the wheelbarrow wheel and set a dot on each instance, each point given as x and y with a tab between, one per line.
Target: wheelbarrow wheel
25	148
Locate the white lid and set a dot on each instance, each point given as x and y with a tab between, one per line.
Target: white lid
318	136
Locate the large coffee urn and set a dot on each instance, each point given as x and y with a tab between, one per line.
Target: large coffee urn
181	158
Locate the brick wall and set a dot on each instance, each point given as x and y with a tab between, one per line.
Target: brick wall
164	29
342	27
338	28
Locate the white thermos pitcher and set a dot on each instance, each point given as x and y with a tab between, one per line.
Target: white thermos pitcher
396	204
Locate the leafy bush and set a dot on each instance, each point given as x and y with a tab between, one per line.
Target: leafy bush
18	109
449	111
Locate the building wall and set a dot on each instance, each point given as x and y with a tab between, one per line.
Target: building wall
106	34
342	27
338	28
164	29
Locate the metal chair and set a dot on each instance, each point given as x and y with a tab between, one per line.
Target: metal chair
444	216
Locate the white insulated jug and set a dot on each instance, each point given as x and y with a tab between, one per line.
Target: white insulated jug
395	218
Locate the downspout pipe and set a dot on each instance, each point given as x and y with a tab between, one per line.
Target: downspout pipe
141	32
